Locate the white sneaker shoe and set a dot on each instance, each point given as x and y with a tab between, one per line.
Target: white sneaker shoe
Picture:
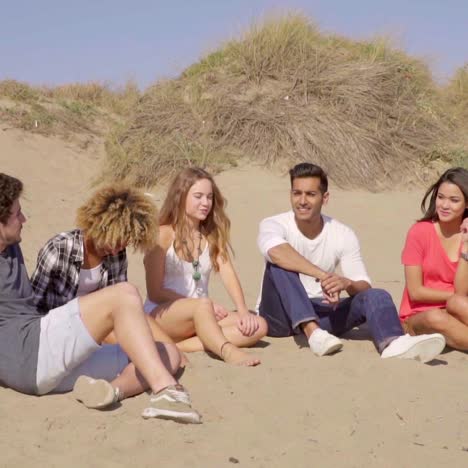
322	343
422	348
94	393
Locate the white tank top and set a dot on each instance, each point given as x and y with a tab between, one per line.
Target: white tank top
178	276
89	280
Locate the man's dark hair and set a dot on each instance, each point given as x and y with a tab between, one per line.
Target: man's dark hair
10	190
304	170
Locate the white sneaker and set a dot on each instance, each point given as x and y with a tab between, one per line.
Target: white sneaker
173	403
94	393
422	348
322	343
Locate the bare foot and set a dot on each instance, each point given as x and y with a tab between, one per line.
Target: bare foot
233	355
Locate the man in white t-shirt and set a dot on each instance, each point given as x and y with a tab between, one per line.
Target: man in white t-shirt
301	291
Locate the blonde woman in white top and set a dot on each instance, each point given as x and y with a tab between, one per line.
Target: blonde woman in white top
193	240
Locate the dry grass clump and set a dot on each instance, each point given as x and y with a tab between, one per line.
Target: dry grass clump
65	110
285	93
455	95
118	100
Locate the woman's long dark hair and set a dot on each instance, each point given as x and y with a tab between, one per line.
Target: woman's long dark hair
455	175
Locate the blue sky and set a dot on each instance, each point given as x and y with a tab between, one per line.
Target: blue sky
55	42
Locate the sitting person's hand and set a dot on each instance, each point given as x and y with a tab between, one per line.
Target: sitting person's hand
220	311
464	231
333	284
247	323
184	361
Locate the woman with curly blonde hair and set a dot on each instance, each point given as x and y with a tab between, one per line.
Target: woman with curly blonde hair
93	256
194	239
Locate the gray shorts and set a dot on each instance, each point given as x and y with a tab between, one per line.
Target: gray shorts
67	350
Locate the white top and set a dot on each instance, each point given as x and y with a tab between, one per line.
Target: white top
337	244
178	276
89	280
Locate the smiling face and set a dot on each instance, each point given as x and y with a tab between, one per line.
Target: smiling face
307	199
199	201
10	232
450	203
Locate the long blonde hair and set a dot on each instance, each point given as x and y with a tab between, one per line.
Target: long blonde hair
215	227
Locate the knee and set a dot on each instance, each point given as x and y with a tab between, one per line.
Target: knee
376	293
457	304
376	296
203	305
278	273
126	289
436	319
127	294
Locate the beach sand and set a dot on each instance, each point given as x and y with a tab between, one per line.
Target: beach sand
348	410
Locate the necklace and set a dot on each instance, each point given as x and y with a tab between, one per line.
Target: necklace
196	275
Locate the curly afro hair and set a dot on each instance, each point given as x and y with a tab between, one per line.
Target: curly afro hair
120	214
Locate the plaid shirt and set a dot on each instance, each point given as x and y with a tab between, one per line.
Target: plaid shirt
56	277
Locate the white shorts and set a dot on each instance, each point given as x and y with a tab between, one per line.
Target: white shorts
67	350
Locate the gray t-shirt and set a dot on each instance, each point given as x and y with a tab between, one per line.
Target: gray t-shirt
19	324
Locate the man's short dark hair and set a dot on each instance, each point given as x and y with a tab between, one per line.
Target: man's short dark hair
10	190
304	170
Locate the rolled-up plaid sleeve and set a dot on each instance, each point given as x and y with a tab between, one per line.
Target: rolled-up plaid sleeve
42	277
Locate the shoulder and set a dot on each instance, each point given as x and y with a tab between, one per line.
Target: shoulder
421	228
166	236
337	228
65	239
283	219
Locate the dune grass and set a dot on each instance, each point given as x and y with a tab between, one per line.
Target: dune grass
66	110
283	93
455	95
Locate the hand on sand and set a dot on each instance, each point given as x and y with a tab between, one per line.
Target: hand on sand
184	360
231	354
219	311
247	323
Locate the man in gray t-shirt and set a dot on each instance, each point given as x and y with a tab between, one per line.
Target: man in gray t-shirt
19	323
38	353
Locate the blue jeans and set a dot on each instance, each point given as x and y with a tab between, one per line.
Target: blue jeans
285	306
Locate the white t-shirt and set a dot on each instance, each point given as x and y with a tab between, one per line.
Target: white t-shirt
89	280
337	244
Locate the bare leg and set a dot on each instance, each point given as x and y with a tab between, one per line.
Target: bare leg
439	321
309	327
184	318
130	382
230	331
119	308
457	307
158	333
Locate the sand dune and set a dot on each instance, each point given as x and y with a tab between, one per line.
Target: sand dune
295	410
